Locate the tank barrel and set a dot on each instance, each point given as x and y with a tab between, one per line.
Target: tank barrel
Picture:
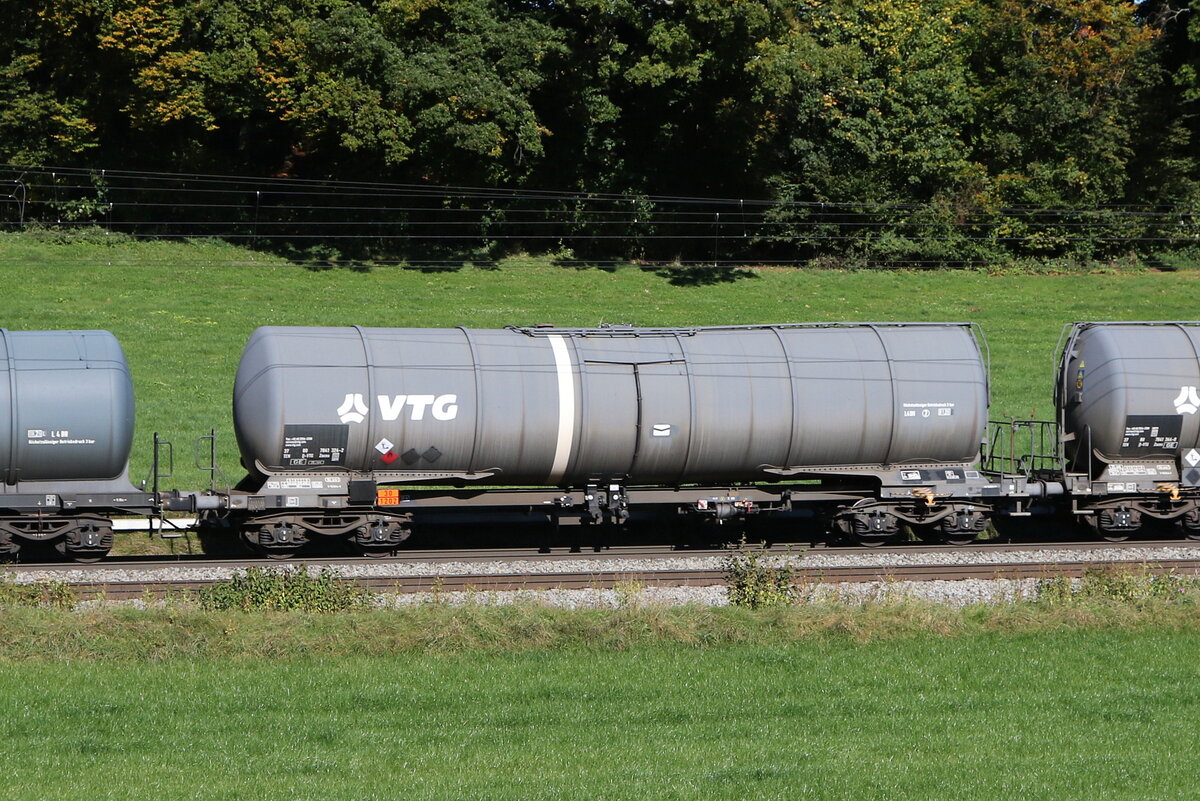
561	407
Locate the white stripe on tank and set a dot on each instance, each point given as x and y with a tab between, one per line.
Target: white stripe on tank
566	408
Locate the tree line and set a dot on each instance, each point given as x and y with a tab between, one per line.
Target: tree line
1061	128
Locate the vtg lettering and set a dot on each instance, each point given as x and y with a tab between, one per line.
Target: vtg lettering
442	407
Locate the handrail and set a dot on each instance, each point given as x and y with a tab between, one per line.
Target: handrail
1021	447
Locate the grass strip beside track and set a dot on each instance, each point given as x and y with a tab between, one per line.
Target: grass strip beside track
183	631
1064	714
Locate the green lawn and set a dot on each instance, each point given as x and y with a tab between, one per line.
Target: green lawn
184	311
1079	715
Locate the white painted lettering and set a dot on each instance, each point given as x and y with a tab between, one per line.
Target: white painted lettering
442	407
445	407
419	404
389	408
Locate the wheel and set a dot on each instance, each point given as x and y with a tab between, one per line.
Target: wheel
278	541
962	527
1189	525
1118	525
9	550
871	529
278	556
1109	526
87	546
379	539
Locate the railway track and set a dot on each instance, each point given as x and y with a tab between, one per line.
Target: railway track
532	582
517	570
200	561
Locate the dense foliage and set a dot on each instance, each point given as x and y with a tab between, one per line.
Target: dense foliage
259	589
972	111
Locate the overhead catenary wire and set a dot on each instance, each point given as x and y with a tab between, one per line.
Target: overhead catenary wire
389	223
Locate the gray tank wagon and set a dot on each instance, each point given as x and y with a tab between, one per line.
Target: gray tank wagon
884	420
66	429
1128	396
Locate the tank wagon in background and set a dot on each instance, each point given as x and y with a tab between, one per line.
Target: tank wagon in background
365	434
66	431
1128	402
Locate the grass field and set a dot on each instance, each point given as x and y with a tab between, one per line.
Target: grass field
1080	715
183	311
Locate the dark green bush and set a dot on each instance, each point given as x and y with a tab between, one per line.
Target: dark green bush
1119	583
47	594
261	589
754	583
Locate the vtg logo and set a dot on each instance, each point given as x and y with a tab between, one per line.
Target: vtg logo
1188	401
355	410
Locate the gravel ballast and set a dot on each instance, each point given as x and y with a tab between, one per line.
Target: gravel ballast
951	593
812	561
